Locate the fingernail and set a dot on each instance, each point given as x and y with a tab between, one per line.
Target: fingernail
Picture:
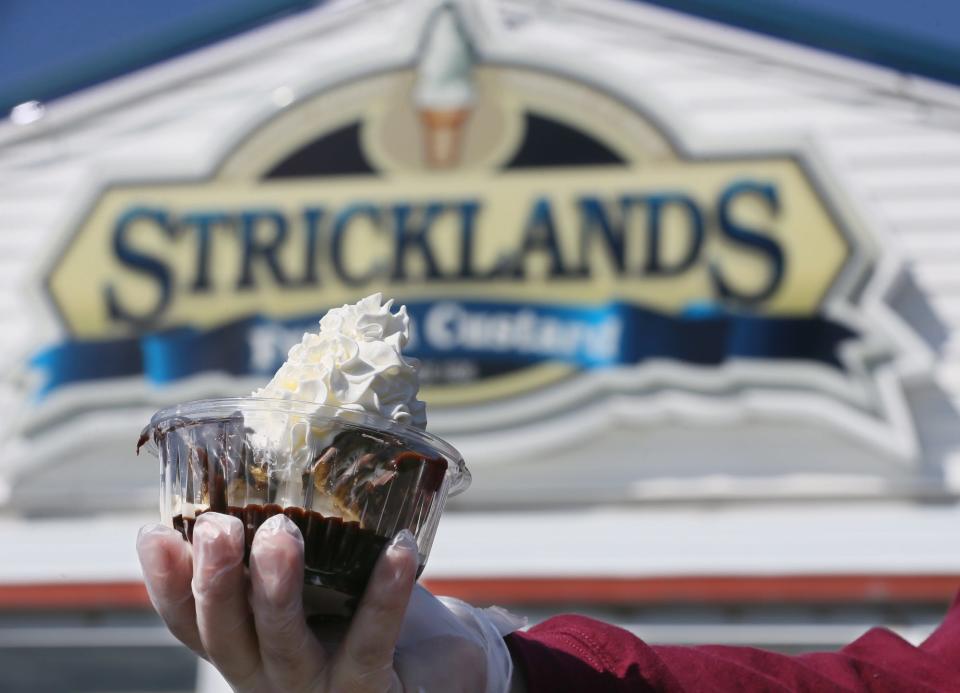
211	526
153	529
279	524
402	550
217	549
404	541
146	544
270	561
151	562
221	531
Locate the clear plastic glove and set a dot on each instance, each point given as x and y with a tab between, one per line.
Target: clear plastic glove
436	628
251	624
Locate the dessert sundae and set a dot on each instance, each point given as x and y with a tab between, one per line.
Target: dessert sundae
335	441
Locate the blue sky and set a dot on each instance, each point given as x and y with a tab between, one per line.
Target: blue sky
49	48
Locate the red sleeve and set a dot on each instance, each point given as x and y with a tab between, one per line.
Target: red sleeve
575	653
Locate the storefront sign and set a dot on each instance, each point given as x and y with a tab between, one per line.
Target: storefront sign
537	227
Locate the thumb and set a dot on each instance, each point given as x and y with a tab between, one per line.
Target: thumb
365	661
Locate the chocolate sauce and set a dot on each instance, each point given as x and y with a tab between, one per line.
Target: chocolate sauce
142	440
337	554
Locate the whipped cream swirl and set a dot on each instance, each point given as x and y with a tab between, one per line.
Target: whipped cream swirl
355	362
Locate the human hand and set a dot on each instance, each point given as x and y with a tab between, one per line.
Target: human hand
252	627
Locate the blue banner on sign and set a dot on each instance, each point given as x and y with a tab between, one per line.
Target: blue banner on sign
592	337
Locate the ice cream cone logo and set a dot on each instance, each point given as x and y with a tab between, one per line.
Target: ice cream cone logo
444	93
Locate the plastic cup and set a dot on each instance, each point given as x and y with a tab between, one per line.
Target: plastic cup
349	480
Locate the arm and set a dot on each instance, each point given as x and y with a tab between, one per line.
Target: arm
574	653
253	629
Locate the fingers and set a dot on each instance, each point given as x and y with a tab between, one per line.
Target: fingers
220	593
213	617
292	657
167	570
365	661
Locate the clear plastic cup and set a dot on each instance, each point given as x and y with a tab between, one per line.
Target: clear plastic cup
349	480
